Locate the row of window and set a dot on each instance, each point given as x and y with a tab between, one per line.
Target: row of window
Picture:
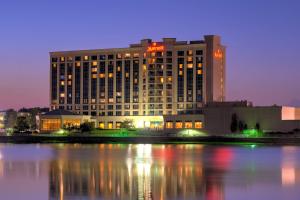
186	124
120	56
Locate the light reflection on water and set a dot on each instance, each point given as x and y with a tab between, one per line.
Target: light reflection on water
145	171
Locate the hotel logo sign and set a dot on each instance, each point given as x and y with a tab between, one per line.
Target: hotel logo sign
218	54
155	47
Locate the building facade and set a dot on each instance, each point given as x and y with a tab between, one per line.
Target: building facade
143	82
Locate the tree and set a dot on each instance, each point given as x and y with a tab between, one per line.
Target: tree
11	118
127	124
234	123
87	127
22	124
257	126
241	126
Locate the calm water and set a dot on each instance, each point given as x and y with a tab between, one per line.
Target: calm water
117	171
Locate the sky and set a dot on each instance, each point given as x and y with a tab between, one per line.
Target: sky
261	36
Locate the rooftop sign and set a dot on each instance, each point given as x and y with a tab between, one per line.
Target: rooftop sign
154	47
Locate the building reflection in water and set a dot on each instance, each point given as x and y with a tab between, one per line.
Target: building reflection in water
288	166
142	171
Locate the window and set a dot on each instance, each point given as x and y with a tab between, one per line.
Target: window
178	125
169	124
86	58
102	57
180	53
51	124
198	124
188	125
110	125
169	53
101	125
199	52
110	57
118	124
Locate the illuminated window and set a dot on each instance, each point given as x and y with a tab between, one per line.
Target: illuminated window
170	79
135	81
69	76
199	71
70	58
118	68
188	125
180	66
62	95
110	100
94	63
190	59
190	65
110	125
153	54
69	82
162	80
94	76
54	65
50	124
77	64
136	55
180	73
119	56
94	69
199	65
62	83
198	124
118	124
169	124
62	59
86	58
101	75
190	52
93	100
71	122
178	125
127	55
145	67
101	125
126	75
110	75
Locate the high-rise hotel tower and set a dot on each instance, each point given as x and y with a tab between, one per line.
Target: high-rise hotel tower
144	82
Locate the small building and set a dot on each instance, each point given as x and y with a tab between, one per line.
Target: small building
218	117
2	120
58	119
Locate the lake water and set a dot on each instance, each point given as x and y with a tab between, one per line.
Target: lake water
145	171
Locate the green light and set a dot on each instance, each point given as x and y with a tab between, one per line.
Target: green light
191	133
252	133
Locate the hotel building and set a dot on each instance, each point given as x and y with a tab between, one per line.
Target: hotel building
144	82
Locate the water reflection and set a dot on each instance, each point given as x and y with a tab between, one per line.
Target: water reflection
144	171
140	171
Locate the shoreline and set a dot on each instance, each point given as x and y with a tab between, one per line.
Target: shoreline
149	140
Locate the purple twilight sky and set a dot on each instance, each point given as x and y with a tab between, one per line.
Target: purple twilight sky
262	39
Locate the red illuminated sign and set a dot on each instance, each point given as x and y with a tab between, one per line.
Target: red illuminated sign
218	54
155	47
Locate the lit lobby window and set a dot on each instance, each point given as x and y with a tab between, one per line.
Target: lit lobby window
110	125
101	125
198	124
169	124
188	125
178	125
51	124
118	124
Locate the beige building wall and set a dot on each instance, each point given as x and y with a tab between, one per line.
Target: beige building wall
217	120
